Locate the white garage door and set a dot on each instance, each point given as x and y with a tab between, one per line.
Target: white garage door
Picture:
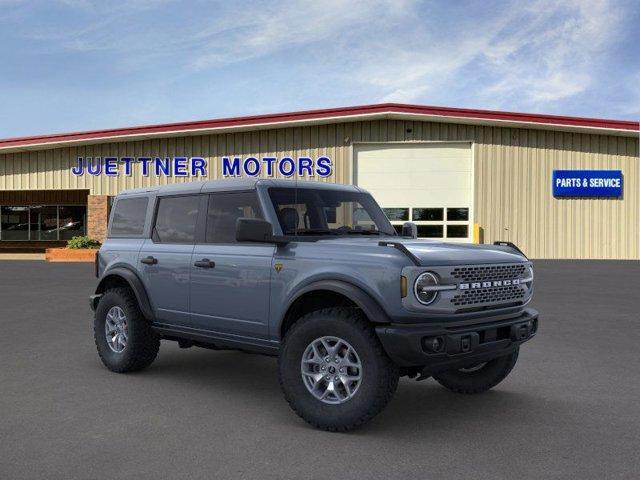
428	184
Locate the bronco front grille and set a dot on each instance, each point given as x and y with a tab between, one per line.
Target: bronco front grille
489	295
488	272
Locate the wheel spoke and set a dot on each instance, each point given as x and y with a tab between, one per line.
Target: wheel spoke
316	352
350	364
346	383
327	347
316	376
312	361
329	390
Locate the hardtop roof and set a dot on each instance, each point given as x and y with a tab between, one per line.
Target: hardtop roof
231	184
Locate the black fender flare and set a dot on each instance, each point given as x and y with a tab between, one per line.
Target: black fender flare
362	299
135	284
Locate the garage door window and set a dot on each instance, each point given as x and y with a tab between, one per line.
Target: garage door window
397	214
432	222
428	214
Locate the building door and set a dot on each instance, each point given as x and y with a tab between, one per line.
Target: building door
430	184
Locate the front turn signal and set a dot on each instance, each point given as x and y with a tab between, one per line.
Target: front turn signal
403	286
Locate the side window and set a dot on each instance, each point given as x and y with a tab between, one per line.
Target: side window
176	219
224	210
128	217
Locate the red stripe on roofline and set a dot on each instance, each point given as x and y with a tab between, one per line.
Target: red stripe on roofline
462	113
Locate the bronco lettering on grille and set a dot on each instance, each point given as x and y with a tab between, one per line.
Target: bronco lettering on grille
494	283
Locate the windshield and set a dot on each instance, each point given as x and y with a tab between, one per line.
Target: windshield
311	211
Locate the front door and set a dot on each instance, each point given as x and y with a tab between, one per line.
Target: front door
165	259
230	281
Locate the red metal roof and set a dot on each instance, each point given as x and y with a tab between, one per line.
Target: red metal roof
467	115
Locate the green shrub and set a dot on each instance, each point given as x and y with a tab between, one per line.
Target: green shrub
82	242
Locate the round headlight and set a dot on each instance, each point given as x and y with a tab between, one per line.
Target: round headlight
422	290
529	274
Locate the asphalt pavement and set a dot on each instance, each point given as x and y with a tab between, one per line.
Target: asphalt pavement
570	408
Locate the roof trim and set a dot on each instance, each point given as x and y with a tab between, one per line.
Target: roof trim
329	115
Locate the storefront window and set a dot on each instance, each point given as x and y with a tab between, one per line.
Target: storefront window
15	223
43	222
71	221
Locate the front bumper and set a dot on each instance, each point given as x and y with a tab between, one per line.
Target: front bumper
460	344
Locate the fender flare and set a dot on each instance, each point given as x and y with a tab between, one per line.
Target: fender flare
362	299
134	283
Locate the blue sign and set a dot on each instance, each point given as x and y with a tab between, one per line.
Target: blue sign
286	166
587	183
160	166
197	166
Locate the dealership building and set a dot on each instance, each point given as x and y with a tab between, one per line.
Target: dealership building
558	187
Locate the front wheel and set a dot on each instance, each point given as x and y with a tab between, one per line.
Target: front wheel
478	378
333	370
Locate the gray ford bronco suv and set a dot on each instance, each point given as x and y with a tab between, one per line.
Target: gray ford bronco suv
315	274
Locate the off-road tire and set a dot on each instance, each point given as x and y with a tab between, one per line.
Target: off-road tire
142	343
480	380
379	374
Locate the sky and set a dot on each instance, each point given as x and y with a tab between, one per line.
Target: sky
73	65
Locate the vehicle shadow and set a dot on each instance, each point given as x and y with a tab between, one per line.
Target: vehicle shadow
416	407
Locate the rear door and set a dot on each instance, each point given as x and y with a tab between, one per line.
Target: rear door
165	259
230	281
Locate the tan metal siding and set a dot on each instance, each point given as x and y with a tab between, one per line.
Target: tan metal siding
513	168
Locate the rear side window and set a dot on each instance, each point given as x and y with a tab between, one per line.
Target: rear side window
176	219
224	209
128	217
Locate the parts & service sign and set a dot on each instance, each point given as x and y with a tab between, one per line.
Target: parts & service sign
587	183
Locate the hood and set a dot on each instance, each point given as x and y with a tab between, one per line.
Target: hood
433	252
440	253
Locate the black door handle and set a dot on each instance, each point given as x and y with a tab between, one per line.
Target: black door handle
204	263
149	260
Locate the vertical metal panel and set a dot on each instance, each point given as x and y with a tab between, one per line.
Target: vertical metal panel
513	168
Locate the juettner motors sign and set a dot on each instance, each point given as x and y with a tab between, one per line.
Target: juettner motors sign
197	166
587	183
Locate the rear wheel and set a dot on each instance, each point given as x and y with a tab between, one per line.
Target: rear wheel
333	370
478	378
123	337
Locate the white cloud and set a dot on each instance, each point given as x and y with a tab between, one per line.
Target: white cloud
553	56
276	26
532	56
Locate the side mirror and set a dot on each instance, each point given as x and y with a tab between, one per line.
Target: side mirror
409	229
253	230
